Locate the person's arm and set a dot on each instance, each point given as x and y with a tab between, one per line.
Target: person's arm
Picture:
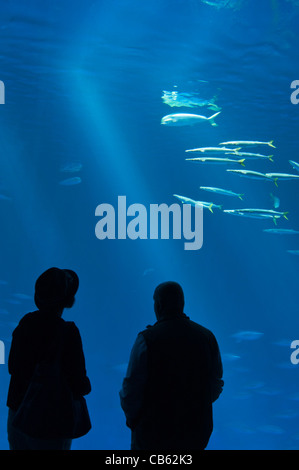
75	363
20	367
132	392
217	371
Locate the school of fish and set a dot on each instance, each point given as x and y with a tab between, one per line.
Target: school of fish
231	153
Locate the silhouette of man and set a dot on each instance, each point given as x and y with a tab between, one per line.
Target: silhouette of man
173	377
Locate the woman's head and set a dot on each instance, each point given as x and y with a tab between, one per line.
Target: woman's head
55	290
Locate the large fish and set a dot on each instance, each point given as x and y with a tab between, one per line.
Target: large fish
250	155
216	160
258	213
247	335
248	142
264	211
281	231
224	192
281	176
214	150
206	205
252	174
182	119
188	100
71	181
295	165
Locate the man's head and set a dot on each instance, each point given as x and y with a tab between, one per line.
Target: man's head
168	300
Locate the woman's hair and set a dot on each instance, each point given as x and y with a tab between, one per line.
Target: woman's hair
55	289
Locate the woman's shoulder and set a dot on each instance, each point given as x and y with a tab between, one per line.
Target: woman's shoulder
72	331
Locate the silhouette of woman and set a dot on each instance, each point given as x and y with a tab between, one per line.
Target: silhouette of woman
34	341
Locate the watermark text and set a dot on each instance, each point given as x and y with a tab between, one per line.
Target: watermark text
295	95
295	354
2	92
2	353
153	223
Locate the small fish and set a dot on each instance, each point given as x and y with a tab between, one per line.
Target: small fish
285	343
247	142
264	211
293	252
148	271
281	231
21	296
187	200
4	198
216	160
281	176
188	100
224	192
182	119
3	311
252	215
206	205
213	150
256	213
228	357
71	167
276	201
251	174
71	181
247	335
256	385
295	165
268	392
252	155
271	429
13	301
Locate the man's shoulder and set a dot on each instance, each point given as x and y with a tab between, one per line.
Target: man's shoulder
183	322
202	329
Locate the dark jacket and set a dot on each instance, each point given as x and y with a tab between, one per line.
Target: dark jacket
184	378
31	343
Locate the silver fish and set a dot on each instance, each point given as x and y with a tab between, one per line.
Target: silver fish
257	213
251	174
252	155
247	335
281	176
295	165
71	167
248	142
206	205
264	211
71	181
213	150
224	192
182	119
188	100
276	201
281	231
216	160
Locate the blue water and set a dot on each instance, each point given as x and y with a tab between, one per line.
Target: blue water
83	87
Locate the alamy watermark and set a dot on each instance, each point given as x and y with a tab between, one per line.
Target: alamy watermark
2	353
295	354
2	92
152	223
294	96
